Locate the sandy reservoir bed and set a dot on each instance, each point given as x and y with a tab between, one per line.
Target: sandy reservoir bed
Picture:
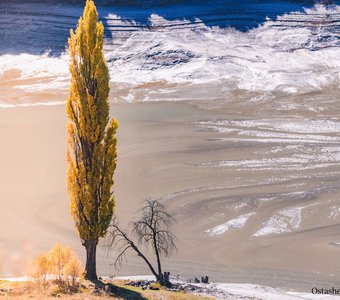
256	200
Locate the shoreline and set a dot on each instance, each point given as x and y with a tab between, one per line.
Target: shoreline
218	290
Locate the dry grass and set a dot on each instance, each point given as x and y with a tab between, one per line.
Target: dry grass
30	290
161	294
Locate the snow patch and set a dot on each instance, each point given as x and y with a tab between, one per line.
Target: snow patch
286	220
334	212
51	103
191	53
236	291
15	279
236	223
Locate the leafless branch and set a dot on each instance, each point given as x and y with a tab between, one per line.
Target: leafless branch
152	229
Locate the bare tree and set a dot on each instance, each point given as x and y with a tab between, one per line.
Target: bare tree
152	229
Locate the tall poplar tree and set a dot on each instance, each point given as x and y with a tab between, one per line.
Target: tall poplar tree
91	152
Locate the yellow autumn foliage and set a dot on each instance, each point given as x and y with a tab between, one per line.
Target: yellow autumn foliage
73	270
60	264
59	257
91	152
39	268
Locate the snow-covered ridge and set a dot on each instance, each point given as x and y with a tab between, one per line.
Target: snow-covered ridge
293	53
296	53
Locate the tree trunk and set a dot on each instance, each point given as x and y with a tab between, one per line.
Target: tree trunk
164	279
90	268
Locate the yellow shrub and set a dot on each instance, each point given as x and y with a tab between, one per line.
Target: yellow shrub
59	263
59	256
40	268
73	270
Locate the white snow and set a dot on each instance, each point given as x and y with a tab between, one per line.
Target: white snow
192	53
334	212
49	72
15	279
236	223
304	143
134	277
286	220
235	291
51	103
274	126
264	293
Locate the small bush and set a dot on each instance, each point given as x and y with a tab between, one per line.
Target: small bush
59	257
39	269
59	264
73	270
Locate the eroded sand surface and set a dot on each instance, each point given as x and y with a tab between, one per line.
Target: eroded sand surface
257	200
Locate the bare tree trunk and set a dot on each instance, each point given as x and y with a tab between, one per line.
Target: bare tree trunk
134	247
160	273
158	257
164	279
90	268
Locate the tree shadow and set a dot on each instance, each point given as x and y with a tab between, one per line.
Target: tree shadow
118	291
